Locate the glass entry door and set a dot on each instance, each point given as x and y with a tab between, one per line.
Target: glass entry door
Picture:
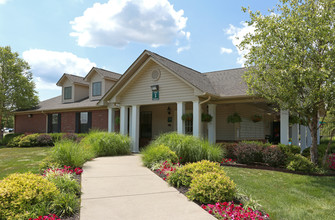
145	128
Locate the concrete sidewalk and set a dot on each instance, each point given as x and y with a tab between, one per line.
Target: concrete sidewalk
121	188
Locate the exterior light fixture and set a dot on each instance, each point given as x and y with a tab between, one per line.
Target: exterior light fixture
30	115
155	88
169	110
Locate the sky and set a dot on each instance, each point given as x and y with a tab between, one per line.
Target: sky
72	36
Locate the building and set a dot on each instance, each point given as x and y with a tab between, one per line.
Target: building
156	95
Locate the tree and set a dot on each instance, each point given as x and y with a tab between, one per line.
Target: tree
292	59
328	129
17	90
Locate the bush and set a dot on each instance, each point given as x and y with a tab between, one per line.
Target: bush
298	162
65	204
70	153
8	137
25	195
154	154
211	188
65	182
44	140
189	148
248	152
289	149
184	175
14	142
229	149
273	156
107	144
28	140
56	137
47	163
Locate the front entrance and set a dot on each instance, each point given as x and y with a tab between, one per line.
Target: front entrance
145	128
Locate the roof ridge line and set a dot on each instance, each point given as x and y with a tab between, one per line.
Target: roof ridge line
224	70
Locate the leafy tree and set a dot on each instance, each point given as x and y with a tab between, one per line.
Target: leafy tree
292	58
17	90
328	129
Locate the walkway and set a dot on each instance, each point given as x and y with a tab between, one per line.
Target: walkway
121	188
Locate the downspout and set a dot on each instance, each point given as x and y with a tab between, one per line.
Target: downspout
207	100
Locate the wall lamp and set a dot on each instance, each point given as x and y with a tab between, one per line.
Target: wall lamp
30	115
155	88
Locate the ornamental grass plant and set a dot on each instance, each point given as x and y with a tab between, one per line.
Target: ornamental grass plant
153	154
189	148
107	144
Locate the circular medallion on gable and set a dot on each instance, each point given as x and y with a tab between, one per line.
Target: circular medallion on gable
156	74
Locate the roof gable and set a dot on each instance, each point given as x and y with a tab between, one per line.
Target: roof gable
73	79
105	74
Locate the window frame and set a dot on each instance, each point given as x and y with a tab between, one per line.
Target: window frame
100	90
65	89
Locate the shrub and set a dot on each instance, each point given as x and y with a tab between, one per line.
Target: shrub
273	156
229	149
44	140
28	140
8	137
189	148
14	142
289	149
56	137
70	136
154	154
25	195
211	188
107	144
48	163
184	175
70	153
248	152
298	162
65	182
331	161
65	204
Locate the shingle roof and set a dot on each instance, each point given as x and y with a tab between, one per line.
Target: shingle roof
194	77
108	74
56	104
73	79
228	82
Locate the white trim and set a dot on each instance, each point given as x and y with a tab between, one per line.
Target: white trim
124	120
196	119
212	124
295	134
284	126
135	127
180	121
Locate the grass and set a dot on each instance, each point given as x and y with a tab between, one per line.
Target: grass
21	160
287	196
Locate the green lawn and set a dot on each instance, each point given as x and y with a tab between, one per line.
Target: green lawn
21	159
288	196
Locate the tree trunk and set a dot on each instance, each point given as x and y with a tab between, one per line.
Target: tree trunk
313	126
328	148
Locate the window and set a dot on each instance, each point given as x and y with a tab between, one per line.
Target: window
83	122
54	121
96	89
68	92
189	126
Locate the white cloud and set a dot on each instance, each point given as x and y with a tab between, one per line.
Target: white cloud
119	22
2	2
225	50
48	66
181	49
236	35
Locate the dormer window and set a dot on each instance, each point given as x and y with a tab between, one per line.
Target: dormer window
96	89
68	92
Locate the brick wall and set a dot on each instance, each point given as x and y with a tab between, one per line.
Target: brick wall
35	124
100	119
68	122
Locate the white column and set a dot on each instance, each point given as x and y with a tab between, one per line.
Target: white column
130	120
284	126
303	137
135	128
124	120
111	119
212	124
196	119
309	137
180	121
295	134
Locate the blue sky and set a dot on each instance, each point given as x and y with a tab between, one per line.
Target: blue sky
72	36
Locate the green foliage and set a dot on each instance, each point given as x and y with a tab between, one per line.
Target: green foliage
14	142
28	140
273	156
189	148
17	88
71	153
153	154
65	204
184	175
8	137
210	188
25	195
234	118
65	182
298	162
290	62
206	117
107	144
187	117
289	149
248	152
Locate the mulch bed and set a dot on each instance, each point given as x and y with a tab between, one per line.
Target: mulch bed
262	167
